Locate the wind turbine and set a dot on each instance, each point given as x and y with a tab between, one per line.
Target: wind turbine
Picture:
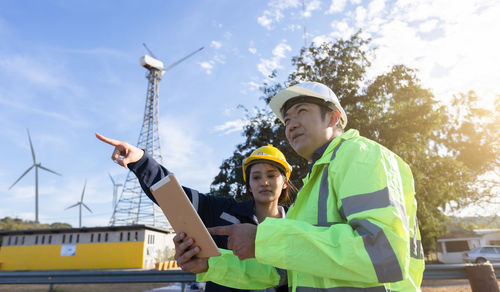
151	62
36	165
133	206
80	204
115	190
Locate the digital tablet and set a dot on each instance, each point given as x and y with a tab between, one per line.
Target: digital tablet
181	214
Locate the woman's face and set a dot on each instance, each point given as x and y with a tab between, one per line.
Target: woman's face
266	183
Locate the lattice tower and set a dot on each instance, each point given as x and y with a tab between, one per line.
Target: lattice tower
134	207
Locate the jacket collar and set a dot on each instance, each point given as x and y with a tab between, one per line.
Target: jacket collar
325	158
317	155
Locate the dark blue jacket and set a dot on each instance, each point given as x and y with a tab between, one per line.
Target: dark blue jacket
213	210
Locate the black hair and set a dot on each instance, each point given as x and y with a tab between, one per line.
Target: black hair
325	106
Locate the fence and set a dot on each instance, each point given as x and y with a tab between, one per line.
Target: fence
153	276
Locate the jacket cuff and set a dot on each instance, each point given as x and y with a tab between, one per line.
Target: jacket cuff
134	166
217	268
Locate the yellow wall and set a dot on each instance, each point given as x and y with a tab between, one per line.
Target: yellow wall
87	256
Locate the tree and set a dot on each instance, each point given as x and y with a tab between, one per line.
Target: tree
8	223
438	142
340	65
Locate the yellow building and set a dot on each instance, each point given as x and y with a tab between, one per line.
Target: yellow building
113	247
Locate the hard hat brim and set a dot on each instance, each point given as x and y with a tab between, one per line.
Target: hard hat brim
266	159
285	95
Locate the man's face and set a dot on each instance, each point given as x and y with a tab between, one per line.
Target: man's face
305	129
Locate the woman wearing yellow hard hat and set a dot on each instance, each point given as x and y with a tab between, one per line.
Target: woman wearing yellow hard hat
266	174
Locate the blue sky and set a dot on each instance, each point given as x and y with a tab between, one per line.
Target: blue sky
71	68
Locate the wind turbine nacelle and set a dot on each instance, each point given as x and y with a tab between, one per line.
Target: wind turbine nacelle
149	63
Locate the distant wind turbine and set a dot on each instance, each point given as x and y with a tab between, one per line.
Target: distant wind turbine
115	190
80	204
36	166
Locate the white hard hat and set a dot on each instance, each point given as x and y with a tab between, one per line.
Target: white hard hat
307	89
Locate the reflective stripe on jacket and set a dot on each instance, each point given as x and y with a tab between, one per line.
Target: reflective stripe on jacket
352	228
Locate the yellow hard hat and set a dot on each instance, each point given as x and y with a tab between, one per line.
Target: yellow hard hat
269	153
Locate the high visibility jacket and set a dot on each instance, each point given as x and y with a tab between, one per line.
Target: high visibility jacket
213	210
353	227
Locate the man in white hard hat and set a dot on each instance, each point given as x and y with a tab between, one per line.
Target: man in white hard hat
353	226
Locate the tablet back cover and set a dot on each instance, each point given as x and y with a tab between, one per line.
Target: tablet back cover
182	216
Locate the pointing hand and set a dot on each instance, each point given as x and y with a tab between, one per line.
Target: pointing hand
241	238
124	153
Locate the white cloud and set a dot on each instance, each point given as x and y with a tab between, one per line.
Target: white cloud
27	108
451	45
341	29
274	13
231	126
208	66
220	58
215	44
280	50
266	66
361	15
428	25
40	73
31	71
265	20
252	49
318	40
336	6
376	7
253	86
310	7
250	86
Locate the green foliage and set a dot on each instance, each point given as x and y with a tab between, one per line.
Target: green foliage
474	223
447	148
8	223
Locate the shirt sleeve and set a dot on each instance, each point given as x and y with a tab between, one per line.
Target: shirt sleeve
148	171
228	270
370	245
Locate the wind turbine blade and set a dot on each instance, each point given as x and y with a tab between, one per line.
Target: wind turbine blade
72	206
44	168
21	176
31	146
87	208
177	63
111	179
149	51
83	192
